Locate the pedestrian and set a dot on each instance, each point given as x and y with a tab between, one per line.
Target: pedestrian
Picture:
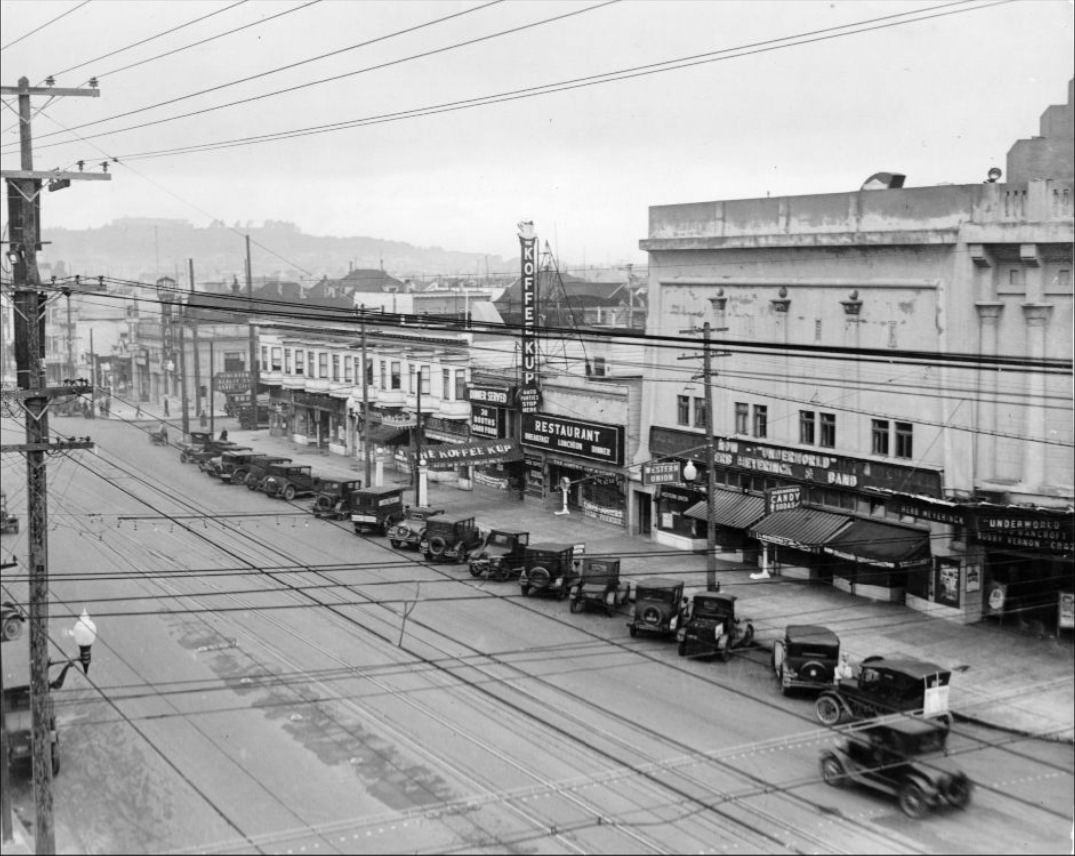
843	670
224	434
202	418
138	411
166	406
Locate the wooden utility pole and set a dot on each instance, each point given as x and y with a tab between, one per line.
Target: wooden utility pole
367	452
253	334
194	344
24	191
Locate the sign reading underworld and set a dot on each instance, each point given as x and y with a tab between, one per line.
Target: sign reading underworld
591	440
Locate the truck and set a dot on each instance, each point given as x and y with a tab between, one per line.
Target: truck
376	508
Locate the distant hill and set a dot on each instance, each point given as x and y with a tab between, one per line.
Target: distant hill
144	248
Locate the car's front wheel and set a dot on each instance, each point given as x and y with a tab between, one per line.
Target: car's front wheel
957	792
289	492
913	802
576	604
828	710
633	630
396	543
525	590
832	771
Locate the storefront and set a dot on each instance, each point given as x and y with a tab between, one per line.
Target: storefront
580	462
318	419
490	418
872	559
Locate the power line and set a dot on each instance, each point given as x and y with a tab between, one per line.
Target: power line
38	29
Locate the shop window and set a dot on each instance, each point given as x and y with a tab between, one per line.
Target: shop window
275	364
828	430
395	375
904	440
699	413
742	417
336	367
761	420
683	410
300	362
879	433
287	361
806	427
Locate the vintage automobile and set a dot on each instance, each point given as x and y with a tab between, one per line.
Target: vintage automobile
19	722
208	459
159	437
210	450
234	465
548	569
377	508
408	532
449	539
253	472
599	586
195	441
287	481
805	657
708	625
905	759
224	464
501	556
333	498
657	603
886	686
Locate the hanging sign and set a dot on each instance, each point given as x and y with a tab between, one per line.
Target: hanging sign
529	394
662	472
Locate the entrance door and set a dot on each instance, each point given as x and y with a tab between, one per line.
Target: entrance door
644	504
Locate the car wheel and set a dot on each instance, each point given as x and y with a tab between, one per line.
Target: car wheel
183	457
437	546
474	572
828	710
957	791
576	604
725	653
817	672
832	771
632	630
525	590
289	492
681	648
913	801
540	577
251	481
395	543
780	675
651	615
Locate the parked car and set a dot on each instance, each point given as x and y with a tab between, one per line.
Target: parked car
599	586
234	465
709	626
287	481
210	450
377	507
500	558
886	686
657	603
408	532
905	759
332	501
9	523
548	569
449	539
159	437
805	657
194	441
225	461
253	472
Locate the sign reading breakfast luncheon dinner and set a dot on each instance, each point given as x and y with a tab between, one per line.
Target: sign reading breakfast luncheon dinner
592	440
529	395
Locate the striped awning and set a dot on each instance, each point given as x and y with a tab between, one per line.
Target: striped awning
801	528
881	544
731	508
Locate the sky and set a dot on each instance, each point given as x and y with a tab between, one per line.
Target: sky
379	135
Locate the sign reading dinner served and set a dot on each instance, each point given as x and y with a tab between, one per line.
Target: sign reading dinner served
593	440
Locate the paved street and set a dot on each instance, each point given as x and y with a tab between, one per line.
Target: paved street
265	682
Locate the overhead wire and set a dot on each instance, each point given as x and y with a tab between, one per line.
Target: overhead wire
41	27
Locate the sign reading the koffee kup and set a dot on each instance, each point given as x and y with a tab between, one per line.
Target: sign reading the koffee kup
450	455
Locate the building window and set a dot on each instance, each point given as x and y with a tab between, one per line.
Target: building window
599	367
300	362
322	365
397	378
806	427
287	361
336	367
275	365
699	413
761	420
384	374
310	364
265	355
461	385
828	430
348	369
880	436
446	384
235	361
412	373
683	410
904	440
742	417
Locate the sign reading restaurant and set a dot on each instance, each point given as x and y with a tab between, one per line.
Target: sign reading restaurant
592	440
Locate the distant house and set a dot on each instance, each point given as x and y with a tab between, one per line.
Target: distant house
564	300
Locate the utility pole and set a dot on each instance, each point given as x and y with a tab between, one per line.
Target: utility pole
254	373
194	345
419	474
710	458
24	190
367	452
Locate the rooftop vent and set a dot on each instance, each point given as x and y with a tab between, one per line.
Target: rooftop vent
884	181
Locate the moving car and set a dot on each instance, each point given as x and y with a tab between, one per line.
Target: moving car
905	759
805	657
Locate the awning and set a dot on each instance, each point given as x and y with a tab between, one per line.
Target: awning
731	508
801	528
386	435
881	544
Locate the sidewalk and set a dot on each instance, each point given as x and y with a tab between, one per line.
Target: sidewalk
1000	678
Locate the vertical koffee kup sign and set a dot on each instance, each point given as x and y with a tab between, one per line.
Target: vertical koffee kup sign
528	391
